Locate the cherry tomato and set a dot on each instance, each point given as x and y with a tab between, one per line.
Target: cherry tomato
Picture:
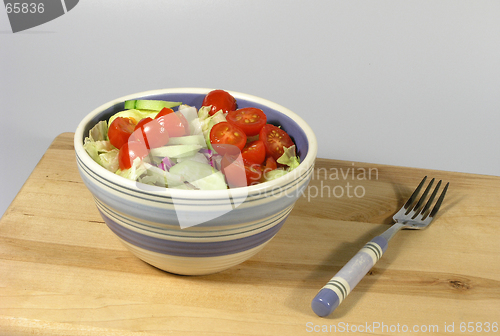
249	119
269	165
120	130
238	173
174	124
163	112
253	173
129	151
228	134
151	132
254	152
233	169
219	100
274	139
142	123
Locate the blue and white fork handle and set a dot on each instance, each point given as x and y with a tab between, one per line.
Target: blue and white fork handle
337	289
413	215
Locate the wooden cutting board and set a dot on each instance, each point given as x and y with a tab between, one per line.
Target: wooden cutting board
63	272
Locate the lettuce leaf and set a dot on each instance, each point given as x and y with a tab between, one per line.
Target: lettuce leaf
289	158
274	174
133	173
100	149
99	132
109	160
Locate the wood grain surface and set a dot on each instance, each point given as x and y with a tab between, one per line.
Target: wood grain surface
63	272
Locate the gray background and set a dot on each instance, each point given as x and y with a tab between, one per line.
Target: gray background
408	83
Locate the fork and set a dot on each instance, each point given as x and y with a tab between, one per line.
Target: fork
413	215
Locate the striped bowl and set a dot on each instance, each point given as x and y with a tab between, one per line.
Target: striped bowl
194	232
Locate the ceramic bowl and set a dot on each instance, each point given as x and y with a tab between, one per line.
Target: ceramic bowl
194	232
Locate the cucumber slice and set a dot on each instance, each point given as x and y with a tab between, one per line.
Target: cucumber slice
192	170
213	181
130	104
175	151
188	140
198	157
154	105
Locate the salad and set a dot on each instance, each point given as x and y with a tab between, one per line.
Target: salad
216	147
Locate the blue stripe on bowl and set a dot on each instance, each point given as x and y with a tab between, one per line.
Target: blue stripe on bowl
191	249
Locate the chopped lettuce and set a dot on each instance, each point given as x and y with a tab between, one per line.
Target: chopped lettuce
99	131
133	173
204	113
274	174
185	162
91	148
289	158
99	147
191	115
153	176
158	177
94	148
210	121
109	160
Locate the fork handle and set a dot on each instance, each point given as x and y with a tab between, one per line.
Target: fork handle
337	289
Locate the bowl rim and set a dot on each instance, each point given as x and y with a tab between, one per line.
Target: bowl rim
303	167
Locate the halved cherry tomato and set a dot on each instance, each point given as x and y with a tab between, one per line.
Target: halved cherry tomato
151	132
269	165
120	130
143	122
163	112
254	152
253	173
226	133
238	173
219	100
274	139
174	124
129	151
249	119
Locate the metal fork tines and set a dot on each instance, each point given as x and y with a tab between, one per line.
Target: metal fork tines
417	215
